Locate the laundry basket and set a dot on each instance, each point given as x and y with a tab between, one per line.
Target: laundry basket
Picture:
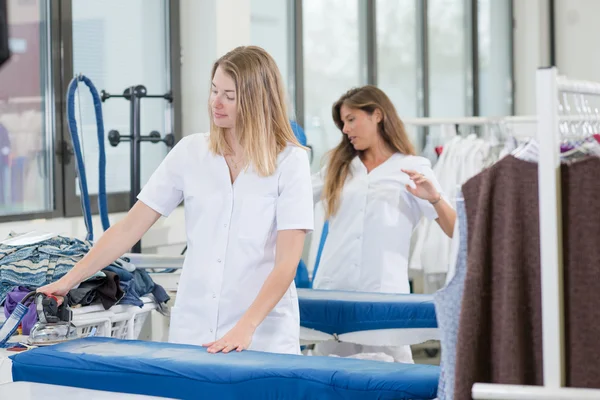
120	321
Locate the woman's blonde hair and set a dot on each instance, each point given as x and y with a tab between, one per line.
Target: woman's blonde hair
262	126
367	98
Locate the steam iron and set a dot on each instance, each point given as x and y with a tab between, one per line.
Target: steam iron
54	322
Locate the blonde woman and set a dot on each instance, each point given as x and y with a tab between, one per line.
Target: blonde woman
248	205
375	191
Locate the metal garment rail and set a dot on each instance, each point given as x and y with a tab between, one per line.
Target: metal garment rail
548	87
525	119
519	119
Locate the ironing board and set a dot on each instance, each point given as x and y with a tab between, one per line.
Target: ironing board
36	391
5	361
377	319
188	372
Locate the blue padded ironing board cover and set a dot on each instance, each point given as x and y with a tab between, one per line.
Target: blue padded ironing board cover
189	372
339	312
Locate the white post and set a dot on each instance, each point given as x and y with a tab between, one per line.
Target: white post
551	246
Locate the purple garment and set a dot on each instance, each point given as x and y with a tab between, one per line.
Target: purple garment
566	147
12	299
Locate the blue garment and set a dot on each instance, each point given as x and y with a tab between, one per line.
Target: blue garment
40	263
130	297
447	307
143	285
124	276
137	284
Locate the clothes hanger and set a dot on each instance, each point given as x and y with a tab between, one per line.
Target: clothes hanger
583	142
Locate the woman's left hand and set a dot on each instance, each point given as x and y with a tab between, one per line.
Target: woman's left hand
423	189
238	338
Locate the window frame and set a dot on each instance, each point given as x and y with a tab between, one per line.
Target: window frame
120	201
59	55
56	20
50	22
368	24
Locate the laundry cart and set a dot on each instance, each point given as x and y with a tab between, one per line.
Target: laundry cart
119	321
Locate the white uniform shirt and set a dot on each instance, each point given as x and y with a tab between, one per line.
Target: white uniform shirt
367	248
231	235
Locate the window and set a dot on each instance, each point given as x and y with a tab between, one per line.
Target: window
271	29
332	66
397	58
113	63
450	80
494	29
27	113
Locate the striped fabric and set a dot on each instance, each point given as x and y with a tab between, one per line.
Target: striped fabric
41	263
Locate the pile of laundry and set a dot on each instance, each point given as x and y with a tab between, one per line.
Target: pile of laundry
27	264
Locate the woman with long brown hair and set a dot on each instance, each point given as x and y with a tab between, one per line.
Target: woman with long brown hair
375	190
248	206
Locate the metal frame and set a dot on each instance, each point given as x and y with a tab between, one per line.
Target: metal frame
552	28
174	69
367	25
512	56
291	53
298	61
423	108
50	23
472	16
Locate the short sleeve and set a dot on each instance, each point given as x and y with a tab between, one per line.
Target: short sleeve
164	190
295	200
423	166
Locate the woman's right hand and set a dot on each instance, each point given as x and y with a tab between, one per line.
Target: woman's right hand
59	289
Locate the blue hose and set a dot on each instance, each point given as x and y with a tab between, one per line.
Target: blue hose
85	197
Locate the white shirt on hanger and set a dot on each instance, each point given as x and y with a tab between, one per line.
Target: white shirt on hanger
231	235
368	244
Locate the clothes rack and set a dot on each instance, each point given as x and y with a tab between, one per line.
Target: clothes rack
474	121
549	85
525	119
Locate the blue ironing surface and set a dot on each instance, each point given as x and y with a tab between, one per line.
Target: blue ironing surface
189	372
342	312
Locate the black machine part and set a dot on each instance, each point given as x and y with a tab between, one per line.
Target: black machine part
49	312
4	49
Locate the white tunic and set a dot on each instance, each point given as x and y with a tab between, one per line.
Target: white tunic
231	235
367	248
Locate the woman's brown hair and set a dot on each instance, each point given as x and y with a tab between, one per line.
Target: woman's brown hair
368	99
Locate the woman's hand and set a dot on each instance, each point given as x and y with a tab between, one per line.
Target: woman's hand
58	289
424	189
238	338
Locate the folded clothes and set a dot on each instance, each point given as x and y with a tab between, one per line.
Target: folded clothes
137	284
130	297
38	264
107	291
124	275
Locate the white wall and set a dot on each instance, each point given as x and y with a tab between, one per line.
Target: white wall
577	49
531	50
577	34
209	29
